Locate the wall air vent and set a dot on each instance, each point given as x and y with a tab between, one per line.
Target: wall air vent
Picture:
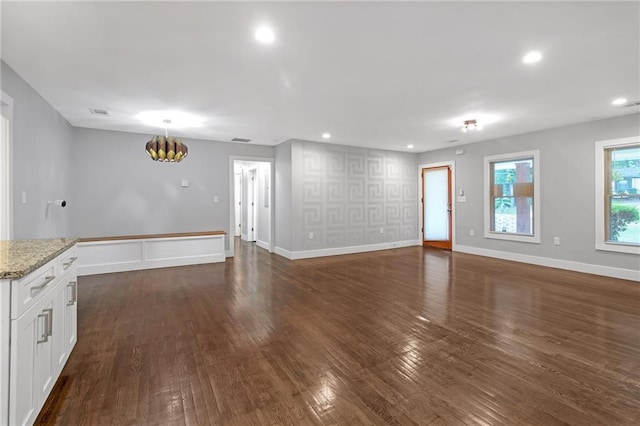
451	141
98	111
240	140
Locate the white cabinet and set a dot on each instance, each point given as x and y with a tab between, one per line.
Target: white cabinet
43	332
32	369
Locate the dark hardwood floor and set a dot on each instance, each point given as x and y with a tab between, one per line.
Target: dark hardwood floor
400	337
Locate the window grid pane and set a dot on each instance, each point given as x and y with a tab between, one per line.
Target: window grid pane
622	195
512	196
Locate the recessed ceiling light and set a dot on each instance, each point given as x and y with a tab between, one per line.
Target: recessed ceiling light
410	146
169	119
265	35
532	57
326	135
619	101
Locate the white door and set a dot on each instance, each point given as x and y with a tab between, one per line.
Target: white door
251	205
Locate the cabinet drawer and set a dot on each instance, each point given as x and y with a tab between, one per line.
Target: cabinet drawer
67	260
28	290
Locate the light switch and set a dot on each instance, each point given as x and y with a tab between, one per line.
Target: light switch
24	197
185	183
462	198
215	199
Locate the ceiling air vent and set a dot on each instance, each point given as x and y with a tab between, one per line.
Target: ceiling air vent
631	104
98	111
240	140
451	141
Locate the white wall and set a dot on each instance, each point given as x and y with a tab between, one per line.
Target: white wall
119	190
42	161
567	162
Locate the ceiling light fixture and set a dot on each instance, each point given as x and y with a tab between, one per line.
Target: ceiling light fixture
166	149
326	135
619	101
532	57
265	35
410	146
471	125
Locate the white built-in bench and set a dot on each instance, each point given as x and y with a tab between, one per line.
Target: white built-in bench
134	252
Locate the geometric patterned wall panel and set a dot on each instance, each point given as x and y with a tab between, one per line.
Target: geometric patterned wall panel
345	195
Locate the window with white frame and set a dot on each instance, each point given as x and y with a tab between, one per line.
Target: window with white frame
618	195
512	196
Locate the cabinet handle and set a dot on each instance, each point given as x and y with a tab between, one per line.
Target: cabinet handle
73	286
67	264
45	334
49	312
41	287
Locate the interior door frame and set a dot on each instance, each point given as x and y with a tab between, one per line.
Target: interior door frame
232	217
452	165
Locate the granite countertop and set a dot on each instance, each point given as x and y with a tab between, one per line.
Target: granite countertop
20	257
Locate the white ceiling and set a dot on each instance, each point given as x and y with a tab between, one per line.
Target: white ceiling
379	75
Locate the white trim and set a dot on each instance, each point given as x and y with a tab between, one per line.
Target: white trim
587	268
306	254
6	156
263	244
535	238
601	244
232	215
451	164
99	257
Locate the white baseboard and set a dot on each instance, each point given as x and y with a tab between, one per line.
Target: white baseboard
306	254
100	257
263	244
608	271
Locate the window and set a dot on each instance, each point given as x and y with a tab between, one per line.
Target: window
512	197
618	195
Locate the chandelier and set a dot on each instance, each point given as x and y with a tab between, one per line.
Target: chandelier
166	149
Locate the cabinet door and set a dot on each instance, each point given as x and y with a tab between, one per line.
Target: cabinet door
31	363
71	312
58	341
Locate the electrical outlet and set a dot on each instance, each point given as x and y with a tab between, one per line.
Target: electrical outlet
556	241
216	199
311	235
472	232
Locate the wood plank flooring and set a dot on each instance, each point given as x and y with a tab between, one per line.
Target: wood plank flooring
410	336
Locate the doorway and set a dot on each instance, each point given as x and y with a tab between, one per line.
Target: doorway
6	123
437	206
251	217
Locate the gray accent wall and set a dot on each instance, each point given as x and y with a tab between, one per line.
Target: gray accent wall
567	178
42	164
283	197
345	196
119	190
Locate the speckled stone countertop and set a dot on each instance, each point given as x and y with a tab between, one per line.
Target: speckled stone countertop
20	257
